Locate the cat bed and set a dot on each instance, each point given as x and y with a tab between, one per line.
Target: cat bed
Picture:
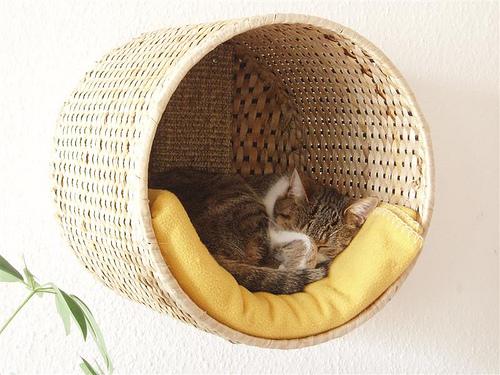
249	96
385	246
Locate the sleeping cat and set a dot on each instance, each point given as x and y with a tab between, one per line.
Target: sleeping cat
274	233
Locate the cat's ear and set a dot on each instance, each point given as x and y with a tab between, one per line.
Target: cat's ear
296	189
358	211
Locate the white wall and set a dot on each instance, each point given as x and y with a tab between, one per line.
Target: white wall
444	319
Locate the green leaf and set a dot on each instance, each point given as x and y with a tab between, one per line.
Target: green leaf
95	332
99	368
78	314
29	277
8	273
87	368
68	307
63	309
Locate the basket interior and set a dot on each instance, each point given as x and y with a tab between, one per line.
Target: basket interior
290	96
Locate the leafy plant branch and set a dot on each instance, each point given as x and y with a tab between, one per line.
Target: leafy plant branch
69	307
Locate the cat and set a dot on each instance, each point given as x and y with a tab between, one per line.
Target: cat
273	233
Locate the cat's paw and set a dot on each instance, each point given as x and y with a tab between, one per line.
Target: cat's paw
318	273
297	280
296	254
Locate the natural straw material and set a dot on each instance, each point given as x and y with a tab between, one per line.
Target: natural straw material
254	95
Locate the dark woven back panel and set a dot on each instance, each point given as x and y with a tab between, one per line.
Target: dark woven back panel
195	130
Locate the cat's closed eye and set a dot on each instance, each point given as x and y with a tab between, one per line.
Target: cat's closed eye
321	243
284	216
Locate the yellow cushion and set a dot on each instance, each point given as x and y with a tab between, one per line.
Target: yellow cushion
386	244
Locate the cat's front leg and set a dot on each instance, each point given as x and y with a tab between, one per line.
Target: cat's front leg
293	250
295	255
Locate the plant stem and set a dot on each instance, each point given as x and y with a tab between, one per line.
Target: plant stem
17	310
44	290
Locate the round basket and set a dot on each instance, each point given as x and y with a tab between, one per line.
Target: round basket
250	96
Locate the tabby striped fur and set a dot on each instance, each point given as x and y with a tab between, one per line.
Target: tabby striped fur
272	233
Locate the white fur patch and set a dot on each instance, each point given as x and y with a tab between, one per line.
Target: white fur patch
277	190
283	237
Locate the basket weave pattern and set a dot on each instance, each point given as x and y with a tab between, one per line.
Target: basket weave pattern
251	96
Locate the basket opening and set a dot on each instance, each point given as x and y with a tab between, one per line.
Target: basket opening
292	95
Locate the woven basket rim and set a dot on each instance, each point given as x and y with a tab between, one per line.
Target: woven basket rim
139	204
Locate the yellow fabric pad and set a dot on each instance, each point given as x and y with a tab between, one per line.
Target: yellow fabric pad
386	244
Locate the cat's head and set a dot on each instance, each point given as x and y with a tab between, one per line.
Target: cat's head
321	212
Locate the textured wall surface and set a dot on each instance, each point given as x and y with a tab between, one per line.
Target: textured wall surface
444	319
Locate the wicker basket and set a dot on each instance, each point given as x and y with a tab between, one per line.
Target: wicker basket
253	95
